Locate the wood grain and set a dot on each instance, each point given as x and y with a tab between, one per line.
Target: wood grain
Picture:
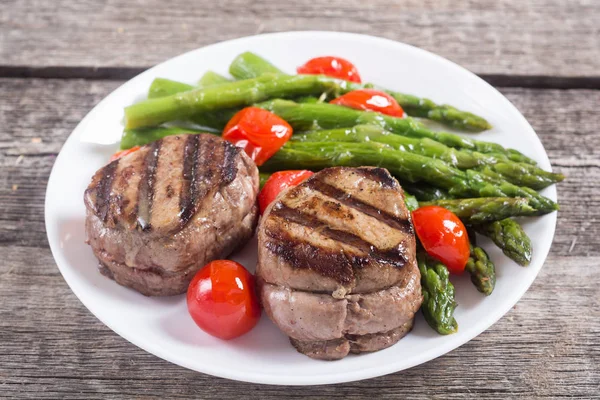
530	38
52	347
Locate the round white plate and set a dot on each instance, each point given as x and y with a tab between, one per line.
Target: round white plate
163	327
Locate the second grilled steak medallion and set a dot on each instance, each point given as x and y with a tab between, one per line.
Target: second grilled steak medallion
336	263
156	216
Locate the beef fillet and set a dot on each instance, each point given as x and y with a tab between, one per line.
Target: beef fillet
156	216
336	263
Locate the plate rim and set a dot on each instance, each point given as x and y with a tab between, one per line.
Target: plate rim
332	378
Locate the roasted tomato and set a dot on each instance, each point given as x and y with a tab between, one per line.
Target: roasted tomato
123	153
443	236
279	181
370	99
259	132
222	299
335	67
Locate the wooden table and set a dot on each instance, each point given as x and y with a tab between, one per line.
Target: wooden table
59	58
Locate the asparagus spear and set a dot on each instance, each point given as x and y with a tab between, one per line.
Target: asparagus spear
442	113
510	237
523	174
241	93
306	117
249	65
485	209
405	166
162	87
526	175
211	78
425	147
480	267
438	295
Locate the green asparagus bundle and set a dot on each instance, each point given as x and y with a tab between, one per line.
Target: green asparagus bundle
529	174
405	166
308	117
249	65
438	295
509	236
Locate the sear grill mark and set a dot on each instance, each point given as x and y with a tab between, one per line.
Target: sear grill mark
380	175
401	224
335	265
394	256
229	170
189	187
146	187
103	190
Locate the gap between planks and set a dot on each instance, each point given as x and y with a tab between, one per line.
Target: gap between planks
125	73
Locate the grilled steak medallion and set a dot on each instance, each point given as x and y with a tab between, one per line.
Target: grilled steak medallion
156	216
336	263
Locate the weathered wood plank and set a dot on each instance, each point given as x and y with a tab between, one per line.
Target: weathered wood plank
539	37
52	347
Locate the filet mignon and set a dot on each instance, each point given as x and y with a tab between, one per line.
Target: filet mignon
336	263
156	216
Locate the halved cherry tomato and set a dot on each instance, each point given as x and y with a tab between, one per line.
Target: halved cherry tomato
335	67
279	181
259	132
123	153
370	99
443	236
222	299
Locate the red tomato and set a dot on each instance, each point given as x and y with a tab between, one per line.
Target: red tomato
123	153
370	99
335	67
279	181
222	299
443	236
259	132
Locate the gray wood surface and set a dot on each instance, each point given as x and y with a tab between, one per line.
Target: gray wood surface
52	347
532	37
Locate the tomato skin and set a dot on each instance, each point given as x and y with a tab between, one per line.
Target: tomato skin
370	99
279	181
123	153
259	132
443	236
222	299
335	67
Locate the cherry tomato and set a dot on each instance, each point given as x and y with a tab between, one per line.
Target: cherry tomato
222	299
123	153
259	132
443	236
335	67
277	182
370	99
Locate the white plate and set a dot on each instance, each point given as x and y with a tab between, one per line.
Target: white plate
163	327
